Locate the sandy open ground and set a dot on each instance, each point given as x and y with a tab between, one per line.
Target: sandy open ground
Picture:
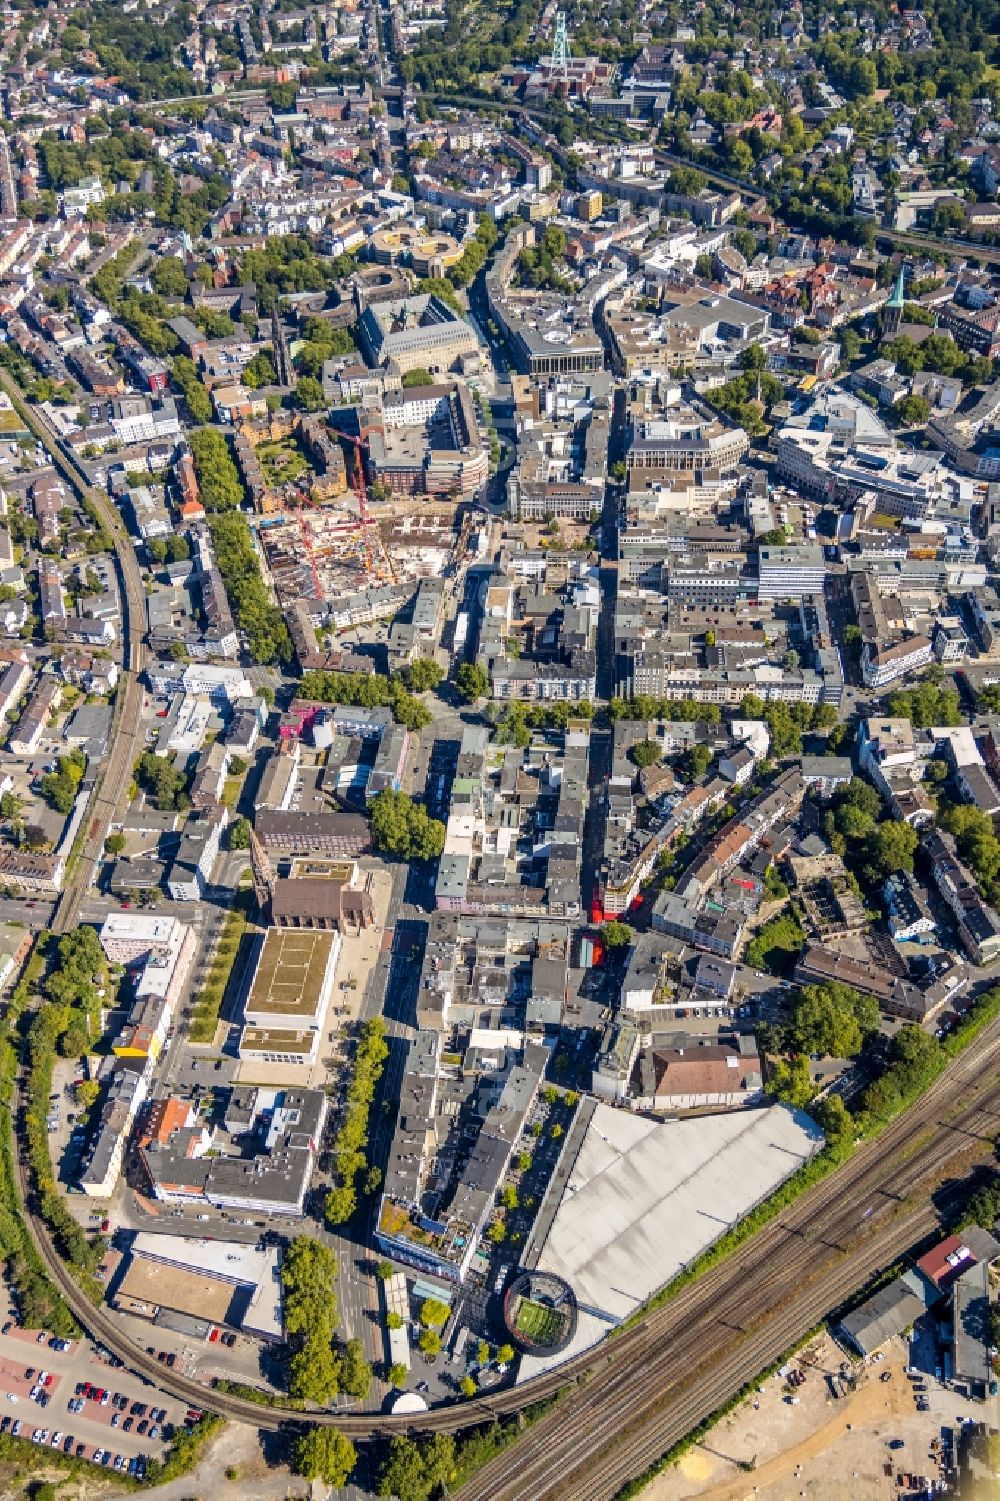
823	1448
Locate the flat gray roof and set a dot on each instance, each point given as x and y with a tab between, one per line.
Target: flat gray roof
644	1198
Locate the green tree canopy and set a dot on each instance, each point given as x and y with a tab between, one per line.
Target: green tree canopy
473	681
889	847
308	1280
616	934
309	394
776	944
429	1342
434	1313
239	834
404	828
325	1454
169	277
645	753
314	1370
696	761
355	1372
340	1204
413	1471
833	1020
790	1082
423	674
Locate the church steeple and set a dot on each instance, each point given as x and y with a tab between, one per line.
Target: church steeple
893	311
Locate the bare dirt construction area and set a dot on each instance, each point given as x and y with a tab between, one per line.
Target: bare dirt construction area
822	1447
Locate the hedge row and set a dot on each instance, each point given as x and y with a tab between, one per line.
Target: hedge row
350	1145
40	1305
247	1393
205	1015
80	1253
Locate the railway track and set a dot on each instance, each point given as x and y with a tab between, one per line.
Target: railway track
691	1360
735	1311
627	1403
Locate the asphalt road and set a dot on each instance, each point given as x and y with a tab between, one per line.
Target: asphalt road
680	1362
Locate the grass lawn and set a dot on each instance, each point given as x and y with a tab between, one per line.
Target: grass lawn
537	1322
282	462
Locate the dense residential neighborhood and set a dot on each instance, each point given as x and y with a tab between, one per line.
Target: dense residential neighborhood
499	748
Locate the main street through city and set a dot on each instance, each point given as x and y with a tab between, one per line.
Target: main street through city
623	1403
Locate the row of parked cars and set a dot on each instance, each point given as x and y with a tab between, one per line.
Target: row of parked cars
139	1415
68	1443
41	1338
135	1466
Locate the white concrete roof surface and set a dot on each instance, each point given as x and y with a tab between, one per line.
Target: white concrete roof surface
409	1402
645	1197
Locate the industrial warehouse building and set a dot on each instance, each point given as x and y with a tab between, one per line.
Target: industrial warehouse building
637	1200
189	1285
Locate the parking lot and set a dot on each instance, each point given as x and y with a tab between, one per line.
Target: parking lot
64	1395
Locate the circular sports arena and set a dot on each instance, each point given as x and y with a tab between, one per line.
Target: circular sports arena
539	1311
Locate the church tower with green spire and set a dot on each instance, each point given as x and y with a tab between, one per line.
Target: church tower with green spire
893	310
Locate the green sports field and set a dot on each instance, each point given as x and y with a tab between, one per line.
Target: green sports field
537	1322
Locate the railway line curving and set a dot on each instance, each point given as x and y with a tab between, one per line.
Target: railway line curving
737	1310
632	1397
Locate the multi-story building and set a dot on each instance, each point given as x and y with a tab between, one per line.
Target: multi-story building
102	1165
418	333
284	1014
683	440
791	572
260	1159
300	833
127	937
978	922
910	916
191	868
548	333
883	665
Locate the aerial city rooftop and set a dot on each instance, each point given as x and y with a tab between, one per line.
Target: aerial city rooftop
500	698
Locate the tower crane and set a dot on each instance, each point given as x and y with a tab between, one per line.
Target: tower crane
361	491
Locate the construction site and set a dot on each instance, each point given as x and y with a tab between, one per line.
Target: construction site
349	544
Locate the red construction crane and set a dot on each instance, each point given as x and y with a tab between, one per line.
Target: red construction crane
307	544
360	488
361	491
